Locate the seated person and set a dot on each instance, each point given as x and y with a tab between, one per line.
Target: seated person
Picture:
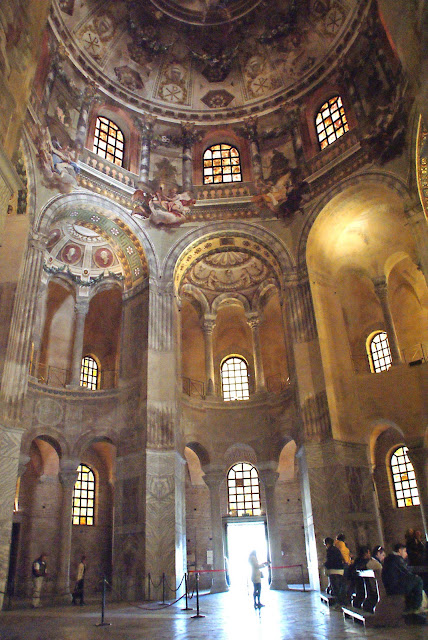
415	549
357	587
398	579
334	570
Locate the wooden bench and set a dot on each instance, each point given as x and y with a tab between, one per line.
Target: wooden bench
327	599
356	615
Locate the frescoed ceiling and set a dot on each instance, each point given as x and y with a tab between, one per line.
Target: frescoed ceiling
209	59
90	244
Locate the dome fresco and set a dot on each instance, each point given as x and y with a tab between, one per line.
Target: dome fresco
206	56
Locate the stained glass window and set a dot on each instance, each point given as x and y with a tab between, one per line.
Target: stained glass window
331	122
108	141
404	479
222	164
234	379
243	488
84	496
380	353
89	373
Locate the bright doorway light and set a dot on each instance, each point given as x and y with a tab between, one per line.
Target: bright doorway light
242	538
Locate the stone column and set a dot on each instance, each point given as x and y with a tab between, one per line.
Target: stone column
165	539
313	409
54	69
294	127
418	455
188	138
250	125
39	325
80	309
254	322
10	182
82	123
269	477
381	290
15	376
145	125
68	476
209	324
10	442
419	228
213	479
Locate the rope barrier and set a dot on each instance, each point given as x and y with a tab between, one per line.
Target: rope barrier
175	590
138	606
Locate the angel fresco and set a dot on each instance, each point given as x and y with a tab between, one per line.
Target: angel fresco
283	191
169	209
57	164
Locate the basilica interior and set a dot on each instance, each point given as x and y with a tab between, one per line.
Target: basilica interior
213	286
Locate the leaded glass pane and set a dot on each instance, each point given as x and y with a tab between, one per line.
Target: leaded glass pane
402	469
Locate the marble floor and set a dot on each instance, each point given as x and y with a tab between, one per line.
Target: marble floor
228	616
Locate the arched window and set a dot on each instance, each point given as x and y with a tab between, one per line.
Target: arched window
379	352
109	141
84	496
243	490
404	479
89	373
222	164
234	379
331	122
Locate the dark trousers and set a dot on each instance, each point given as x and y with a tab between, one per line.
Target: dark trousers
78	591
256	592
338	587
413	586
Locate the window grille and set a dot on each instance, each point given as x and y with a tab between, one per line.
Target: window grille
380	353
109	142
331	122
84	496
234	379
404	479
243	488
89	373
222	164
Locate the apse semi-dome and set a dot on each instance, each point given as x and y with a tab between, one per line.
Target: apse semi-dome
205	60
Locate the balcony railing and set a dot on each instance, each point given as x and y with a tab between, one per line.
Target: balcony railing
60	378
193	388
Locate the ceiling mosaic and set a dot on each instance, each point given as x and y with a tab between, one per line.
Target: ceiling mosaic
91	246
199	56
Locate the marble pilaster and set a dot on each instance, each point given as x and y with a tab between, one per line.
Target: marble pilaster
419	458
146	125
213	479
269	477
15	376
10	442
254	323
68	476
381	290
250	125
82	122
208	328
80	310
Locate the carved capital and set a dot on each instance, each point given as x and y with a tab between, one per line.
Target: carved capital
209	324
380	286
253	320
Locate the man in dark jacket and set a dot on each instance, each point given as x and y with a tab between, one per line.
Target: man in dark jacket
334	569
397	578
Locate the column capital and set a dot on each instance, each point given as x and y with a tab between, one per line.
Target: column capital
268	474
250	126
145	125
68	473
208	323
213	477
22	464
253	319
81	307
37	240
380	284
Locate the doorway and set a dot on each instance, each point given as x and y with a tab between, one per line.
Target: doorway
242	538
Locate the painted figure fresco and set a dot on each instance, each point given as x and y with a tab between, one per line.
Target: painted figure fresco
170	209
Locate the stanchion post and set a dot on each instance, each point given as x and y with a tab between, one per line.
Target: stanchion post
198	615
148	586
303	578
103	605
186	608
163	587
